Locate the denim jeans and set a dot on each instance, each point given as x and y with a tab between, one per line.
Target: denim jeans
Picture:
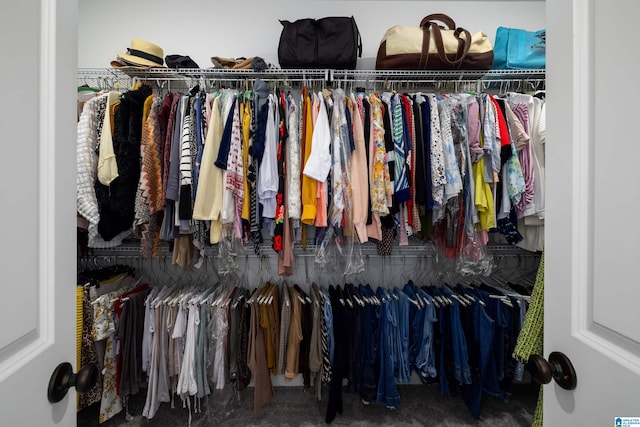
480	346
426	361
416	320
495	372
387	316
443	346
401	340
460	355
519	321
421	339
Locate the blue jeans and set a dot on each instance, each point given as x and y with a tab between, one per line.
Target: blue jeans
480	346
425	358
495	372
519	368
387	316
416	320
460	355
401	369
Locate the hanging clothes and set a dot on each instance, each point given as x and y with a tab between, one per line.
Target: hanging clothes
460	169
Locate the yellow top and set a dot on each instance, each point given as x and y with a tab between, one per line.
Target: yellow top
107	166
208	203
245	113
483	197
308	191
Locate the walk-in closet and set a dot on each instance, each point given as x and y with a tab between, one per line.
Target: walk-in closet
366	298
224	241
330	240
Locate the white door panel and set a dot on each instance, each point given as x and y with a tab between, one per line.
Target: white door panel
591	262
616	154
37	189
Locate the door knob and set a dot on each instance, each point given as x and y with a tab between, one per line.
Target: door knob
63	378
559	367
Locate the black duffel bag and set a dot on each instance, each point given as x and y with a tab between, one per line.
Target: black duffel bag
332	42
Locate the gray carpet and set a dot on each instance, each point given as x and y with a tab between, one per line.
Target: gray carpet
292	406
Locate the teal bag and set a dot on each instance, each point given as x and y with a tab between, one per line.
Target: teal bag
516	49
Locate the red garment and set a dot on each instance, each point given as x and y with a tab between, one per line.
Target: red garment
505	139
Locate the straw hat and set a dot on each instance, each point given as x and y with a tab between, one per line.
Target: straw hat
141	54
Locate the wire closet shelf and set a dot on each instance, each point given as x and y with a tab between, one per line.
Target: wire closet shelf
468	80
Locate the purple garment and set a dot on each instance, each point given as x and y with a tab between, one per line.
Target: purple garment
521	111
473	123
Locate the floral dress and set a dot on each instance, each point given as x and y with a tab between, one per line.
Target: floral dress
104	328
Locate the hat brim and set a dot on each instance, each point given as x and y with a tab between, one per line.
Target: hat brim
136	61
116	64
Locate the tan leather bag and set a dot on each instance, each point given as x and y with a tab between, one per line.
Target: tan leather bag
433	47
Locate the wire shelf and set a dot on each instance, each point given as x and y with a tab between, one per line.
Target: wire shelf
206	73
309	74
412	250
424	75
442	81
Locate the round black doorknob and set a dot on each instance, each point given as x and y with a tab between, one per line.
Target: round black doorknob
539	368
559	367
63	378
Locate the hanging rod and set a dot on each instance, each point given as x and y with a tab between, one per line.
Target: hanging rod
313	74
442	81
411	251
432	75
207	73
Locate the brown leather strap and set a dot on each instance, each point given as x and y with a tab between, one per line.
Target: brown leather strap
463	44
424	55
439	17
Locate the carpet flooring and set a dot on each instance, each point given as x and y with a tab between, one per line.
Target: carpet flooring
293	406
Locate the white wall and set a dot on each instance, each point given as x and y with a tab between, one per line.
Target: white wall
205	28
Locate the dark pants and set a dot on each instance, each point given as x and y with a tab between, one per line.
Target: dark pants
340	365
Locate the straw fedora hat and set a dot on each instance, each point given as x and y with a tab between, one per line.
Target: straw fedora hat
141	54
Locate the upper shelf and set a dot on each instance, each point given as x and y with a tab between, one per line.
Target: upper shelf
438	75
450	81
315	74
207	73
